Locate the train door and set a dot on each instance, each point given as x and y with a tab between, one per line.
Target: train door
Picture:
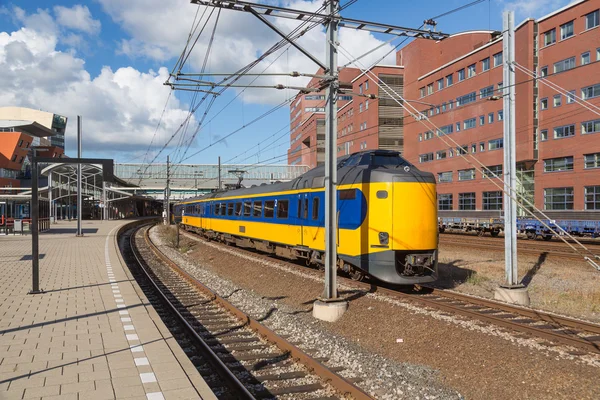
302	218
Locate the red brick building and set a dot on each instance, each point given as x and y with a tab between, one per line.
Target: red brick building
460	79
362	123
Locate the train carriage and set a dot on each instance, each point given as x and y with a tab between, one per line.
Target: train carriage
387	218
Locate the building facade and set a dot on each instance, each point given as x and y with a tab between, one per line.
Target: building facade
363	123
458	82
57	124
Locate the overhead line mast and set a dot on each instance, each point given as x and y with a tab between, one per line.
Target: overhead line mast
329	306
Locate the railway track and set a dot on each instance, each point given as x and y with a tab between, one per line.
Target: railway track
536	248
554	329
238	357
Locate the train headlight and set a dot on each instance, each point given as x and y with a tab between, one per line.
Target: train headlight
384	238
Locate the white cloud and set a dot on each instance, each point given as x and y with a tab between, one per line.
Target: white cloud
78	18
120	108
239	39
533	8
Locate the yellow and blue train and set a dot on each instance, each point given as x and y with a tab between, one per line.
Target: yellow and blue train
387	218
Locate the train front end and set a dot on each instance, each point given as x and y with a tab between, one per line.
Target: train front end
402	226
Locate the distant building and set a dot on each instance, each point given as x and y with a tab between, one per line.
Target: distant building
57	124
362	123
557	145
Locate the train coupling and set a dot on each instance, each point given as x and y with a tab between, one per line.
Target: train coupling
416	264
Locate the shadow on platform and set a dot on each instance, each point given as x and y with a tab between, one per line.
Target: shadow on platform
73	231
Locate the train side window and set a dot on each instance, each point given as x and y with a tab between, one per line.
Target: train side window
315	210
347	194
299	208
247	208
238	208
282	209
305	209
269	208
257	212
230	208
223	209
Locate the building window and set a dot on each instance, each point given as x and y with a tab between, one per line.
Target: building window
466	201
445	201
549	37
544	71
585	58
598	54
428	135
544	103
471	71
591	160
544	135
360	88
490	118
493	171
486	92
444	177
360	107
557	100
590	127
449	80
466	99
443	107
495	144
445	130
462	150
440	83
458	127
592	197
430	89
366	85
592	19
366	104
500	115
20	143
564	131
482	120
481	146
473	148
450	153
590	92
497	59
422	91
564	65
426	157
420	137
461	75
485	64
558	164
470	123
558	198
566	30
492	200
14	158
571	97
466	174
440	155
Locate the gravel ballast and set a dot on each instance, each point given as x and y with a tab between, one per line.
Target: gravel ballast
401	350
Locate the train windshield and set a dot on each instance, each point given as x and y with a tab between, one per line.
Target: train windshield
381	160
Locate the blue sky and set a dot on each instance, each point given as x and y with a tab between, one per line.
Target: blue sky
107	59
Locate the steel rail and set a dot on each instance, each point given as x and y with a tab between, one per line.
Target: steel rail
221	368
341	384
549	333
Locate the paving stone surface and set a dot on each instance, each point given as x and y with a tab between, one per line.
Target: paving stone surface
91	334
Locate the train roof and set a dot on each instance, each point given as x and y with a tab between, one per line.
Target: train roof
359	167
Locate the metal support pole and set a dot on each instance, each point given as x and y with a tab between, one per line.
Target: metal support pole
79	194
330	292
70	209
167	220
35	232
510	178
219	179
50	203
104	202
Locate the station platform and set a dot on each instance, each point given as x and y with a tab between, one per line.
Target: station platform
92	334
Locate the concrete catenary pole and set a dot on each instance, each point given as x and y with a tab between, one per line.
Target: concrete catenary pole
167	193
79	168
219	176
512	291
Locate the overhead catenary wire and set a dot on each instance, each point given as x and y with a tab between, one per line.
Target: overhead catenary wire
514	196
